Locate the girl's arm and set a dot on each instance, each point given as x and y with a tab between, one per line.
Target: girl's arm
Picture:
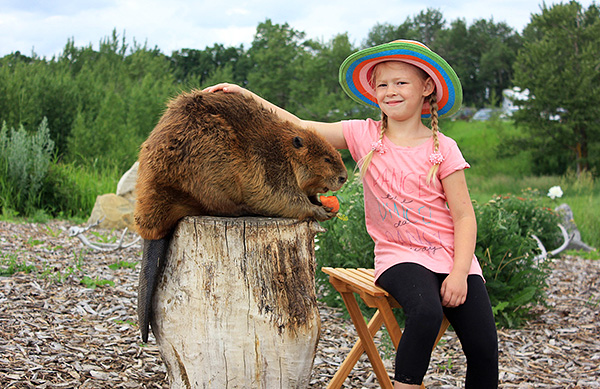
454	288
330	131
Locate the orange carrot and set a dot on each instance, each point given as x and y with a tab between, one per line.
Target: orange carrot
330	202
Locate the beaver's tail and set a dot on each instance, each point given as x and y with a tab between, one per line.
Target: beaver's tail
153	259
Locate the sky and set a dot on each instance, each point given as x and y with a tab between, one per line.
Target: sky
44	26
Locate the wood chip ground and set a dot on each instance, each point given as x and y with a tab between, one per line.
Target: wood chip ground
57	333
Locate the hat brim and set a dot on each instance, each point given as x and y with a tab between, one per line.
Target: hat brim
355	74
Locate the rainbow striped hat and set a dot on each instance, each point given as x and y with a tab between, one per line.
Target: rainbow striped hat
356	70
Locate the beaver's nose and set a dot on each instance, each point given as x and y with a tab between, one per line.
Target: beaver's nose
343	179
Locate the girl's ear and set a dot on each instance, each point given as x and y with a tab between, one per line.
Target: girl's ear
429	87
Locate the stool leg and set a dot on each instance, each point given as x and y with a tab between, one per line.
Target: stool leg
390	321
367	340
443	328
354	355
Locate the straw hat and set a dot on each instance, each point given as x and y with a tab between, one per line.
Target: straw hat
356	70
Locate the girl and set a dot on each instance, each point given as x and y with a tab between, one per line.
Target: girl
417	205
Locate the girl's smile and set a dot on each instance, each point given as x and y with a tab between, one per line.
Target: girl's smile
400	89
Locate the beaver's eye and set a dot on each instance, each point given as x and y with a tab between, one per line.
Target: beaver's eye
327	160
298	142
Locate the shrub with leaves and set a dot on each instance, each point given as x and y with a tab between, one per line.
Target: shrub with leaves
24	162
346	242
506	252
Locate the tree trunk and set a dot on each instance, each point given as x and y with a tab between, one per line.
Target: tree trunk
236	306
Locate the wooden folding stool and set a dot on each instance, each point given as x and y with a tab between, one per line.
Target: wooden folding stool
361	282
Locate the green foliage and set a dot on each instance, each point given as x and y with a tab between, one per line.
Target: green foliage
558	64
93	283
346	242
71	189
506	251
10	265
24	162
482	54
122	265
100	105
274	52
35	184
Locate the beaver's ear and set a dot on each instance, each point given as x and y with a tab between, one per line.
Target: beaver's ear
297	142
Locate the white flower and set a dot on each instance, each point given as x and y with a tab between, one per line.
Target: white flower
555	192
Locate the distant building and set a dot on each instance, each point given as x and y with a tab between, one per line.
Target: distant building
511	99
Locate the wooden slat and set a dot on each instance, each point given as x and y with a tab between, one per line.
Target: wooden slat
354	279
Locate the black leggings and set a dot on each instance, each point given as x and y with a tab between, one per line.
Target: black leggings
417	289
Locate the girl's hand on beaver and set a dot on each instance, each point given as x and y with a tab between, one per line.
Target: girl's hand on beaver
225	87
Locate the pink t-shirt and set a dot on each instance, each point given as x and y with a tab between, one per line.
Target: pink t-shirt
408	220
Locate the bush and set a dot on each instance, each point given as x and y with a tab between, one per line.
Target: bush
505	248
33	183
506	252
346	242
24	162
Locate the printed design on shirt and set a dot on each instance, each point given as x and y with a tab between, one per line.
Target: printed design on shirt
406	218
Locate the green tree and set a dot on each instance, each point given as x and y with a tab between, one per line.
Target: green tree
122	93
482	55
315	91
196	67
428	25
424	27
273	56
559	65
32	89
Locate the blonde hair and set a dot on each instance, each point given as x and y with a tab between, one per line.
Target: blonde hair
365	161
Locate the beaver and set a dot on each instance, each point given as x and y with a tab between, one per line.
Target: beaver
222	154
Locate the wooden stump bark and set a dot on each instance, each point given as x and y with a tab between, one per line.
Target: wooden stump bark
236	306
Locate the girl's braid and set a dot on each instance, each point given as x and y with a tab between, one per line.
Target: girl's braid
365	161
432	98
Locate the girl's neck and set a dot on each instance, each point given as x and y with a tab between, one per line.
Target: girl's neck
408	133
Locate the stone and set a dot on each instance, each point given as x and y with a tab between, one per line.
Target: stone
116	212
126	185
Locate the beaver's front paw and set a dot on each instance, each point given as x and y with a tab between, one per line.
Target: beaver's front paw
323	213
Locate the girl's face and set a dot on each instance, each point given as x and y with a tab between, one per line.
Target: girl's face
400	89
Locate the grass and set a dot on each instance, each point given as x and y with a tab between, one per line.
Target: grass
72	189
9	265
481	145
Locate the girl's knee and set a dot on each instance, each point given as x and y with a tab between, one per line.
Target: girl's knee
425	318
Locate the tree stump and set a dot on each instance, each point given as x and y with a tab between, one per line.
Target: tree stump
235	305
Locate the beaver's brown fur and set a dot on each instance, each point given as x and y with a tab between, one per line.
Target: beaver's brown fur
224	155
